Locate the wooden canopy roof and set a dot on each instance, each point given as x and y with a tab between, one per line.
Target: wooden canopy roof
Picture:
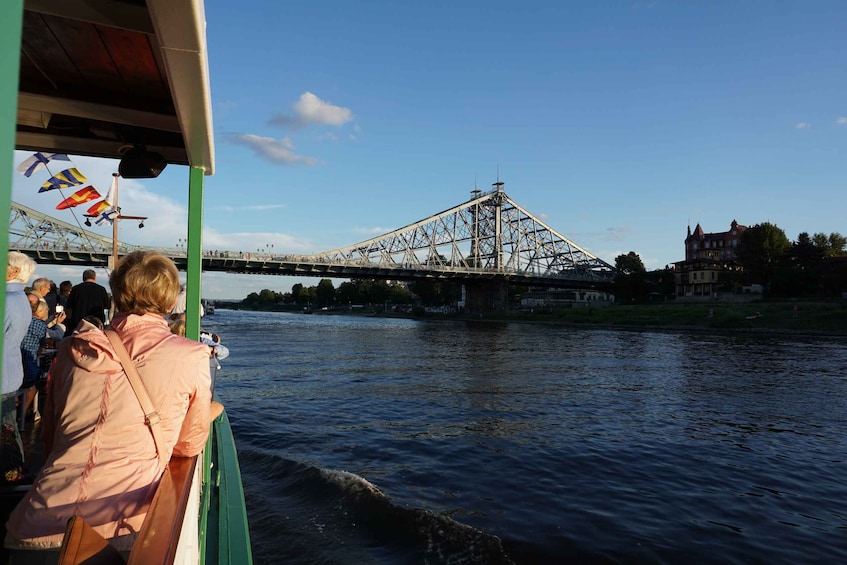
100	76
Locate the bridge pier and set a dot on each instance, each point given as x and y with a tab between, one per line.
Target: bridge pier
486	297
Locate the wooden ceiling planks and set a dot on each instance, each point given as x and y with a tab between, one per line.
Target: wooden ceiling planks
133	57
47	69
84	45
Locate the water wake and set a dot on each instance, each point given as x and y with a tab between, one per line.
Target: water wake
331	516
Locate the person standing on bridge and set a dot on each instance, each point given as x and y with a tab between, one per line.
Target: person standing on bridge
86	299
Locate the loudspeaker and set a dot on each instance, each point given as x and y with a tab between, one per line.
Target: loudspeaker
141	164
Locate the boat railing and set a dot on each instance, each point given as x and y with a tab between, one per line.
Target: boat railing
166	533
197	514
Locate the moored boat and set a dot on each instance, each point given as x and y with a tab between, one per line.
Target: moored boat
129	81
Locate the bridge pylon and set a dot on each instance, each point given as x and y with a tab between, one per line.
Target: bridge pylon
486	296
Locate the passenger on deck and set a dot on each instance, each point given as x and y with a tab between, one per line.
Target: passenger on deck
65	288
101	459
177	326
180	306
18	315
87	298
33	341
44	288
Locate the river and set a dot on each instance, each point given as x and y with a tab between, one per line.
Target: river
372	440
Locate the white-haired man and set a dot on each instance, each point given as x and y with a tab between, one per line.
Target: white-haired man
18	315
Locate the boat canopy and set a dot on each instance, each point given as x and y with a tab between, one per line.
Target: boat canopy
119	79
99	77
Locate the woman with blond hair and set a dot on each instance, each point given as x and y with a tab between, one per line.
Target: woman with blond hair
102	462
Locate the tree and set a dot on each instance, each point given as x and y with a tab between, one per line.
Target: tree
348	293
662	281
399	294
325	292
307	296
629	264
831	245
295	292
804	250
630	283
761	250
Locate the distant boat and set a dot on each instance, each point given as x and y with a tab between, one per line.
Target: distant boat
208	307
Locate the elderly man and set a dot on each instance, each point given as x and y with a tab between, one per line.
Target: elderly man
18	315
42	287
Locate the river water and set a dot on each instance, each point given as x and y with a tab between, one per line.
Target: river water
371	440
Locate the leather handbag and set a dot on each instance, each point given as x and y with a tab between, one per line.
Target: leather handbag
84	546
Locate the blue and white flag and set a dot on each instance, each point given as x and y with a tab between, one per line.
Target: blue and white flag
39	160
108	215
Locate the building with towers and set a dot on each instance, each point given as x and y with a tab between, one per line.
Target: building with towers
709	263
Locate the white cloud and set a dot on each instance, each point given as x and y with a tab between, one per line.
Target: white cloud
251	208
842	121
803	125
279	151
372	231
311	110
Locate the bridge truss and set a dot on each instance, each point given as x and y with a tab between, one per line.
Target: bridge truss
489	233
31	230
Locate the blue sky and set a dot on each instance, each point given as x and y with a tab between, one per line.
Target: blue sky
618	123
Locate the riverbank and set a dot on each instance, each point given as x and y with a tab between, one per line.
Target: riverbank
823	318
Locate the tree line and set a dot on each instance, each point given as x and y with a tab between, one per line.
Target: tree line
359	292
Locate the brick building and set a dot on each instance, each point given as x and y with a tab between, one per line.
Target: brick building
709	260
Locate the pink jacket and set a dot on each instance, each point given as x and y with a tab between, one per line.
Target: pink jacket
103	464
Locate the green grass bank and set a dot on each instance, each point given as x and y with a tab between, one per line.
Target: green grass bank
829	318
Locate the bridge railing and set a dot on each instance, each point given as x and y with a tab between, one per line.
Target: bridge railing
269	259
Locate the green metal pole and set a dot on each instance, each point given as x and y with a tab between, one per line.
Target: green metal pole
11	17
193	278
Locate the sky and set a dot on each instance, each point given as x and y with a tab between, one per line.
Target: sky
618	123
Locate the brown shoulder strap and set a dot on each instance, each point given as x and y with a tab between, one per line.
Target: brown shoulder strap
151	417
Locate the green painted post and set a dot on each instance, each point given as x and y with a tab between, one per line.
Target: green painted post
193	276
11	18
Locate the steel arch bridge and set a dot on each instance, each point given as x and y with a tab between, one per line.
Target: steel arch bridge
487	238
490	233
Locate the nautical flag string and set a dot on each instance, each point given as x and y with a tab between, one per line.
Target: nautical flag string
113	190
66	179
81	196
107	216
98	208
39	160
106	203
